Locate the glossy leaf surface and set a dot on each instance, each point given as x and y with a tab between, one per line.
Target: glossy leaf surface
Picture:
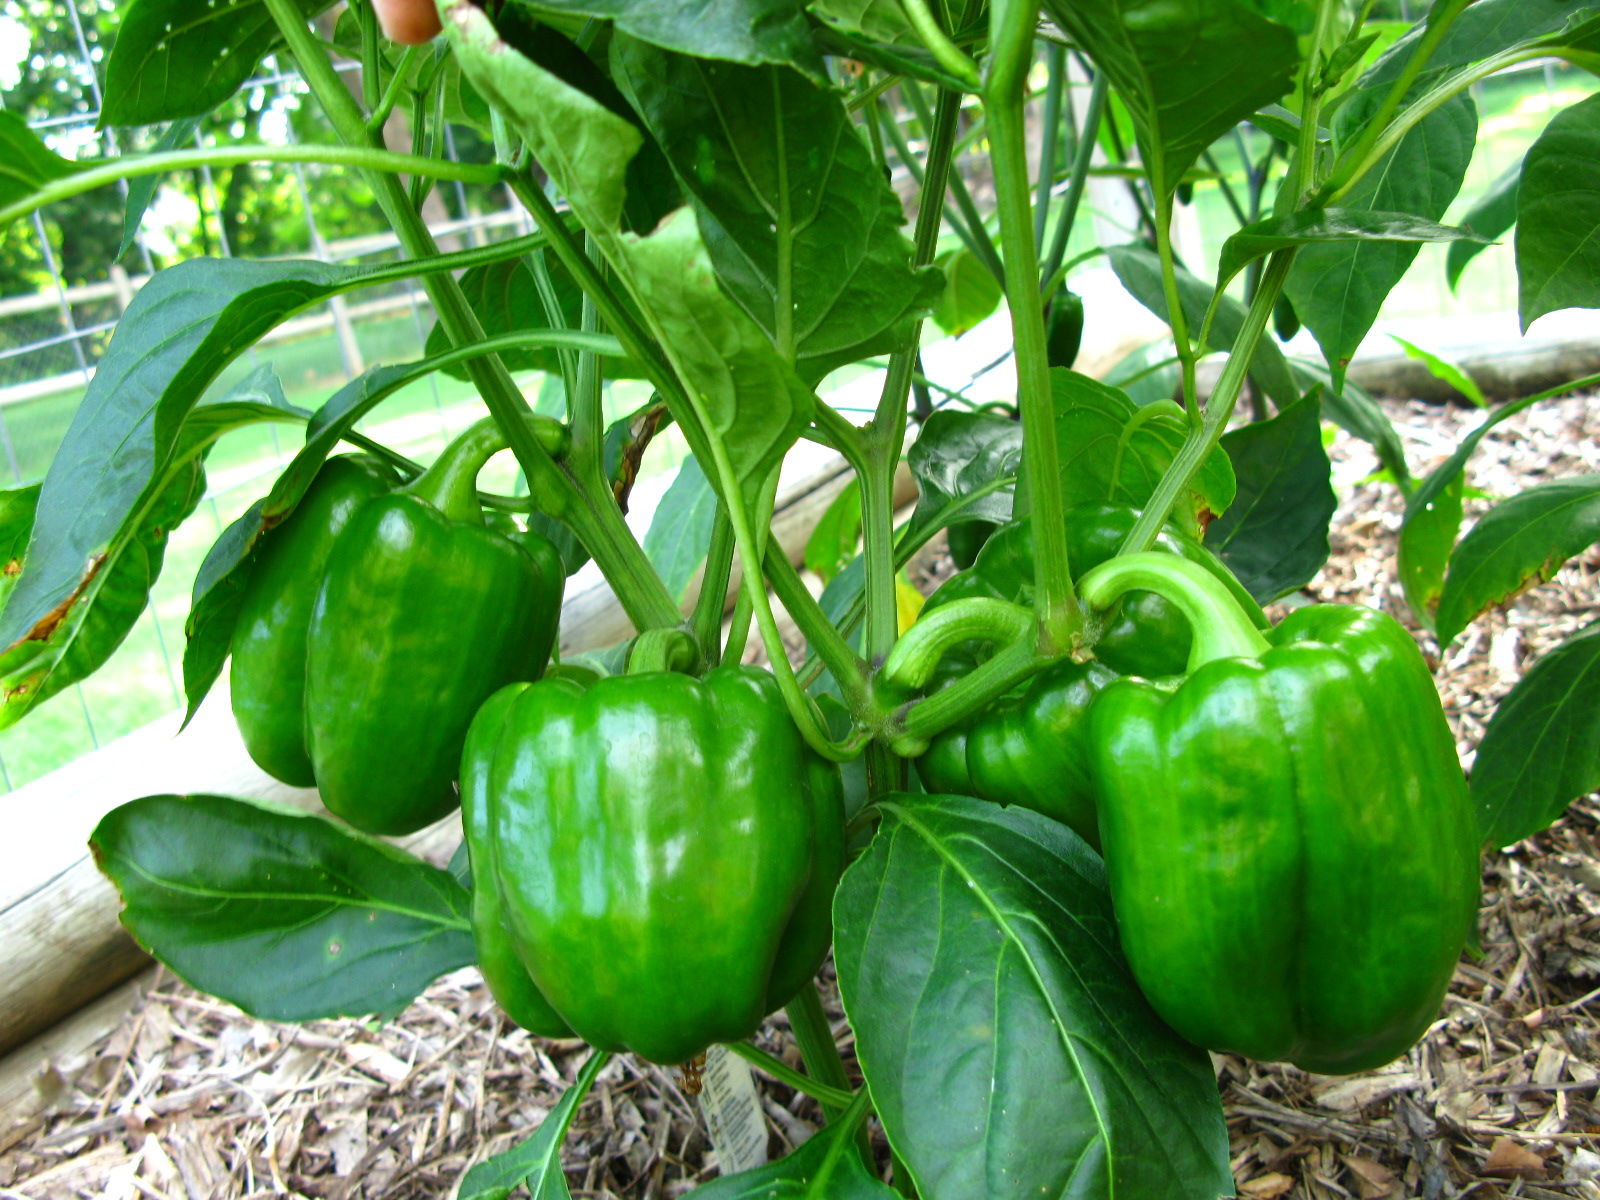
1008	1050
288	915
1321	225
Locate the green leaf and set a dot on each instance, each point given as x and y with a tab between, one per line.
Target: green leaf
1313	226
1484	29
1009	1052
1275	535
1339	287
80	644
802	226
1113	451
1140	272
834	538
142	188
583	145
180	331
971	292
1542	749
680	531
1519	542
26	163
1493	214
1427	539
177	58
893	58
1558	217
826	1167
17	508
1443	370
536	1161
1148	374
288	915
1188	72
965	465
1355	411
505	299
754	402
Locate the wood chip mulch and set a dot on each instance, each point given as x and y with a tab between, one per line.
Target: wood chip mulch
191	1099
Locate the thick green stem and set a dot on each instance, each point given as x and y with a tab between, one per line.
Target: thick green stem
1202	440
1221	628
817	1048
1311	107
713	599
916	655
948	54
596	519
1011	24
835	1098
924	719
451	483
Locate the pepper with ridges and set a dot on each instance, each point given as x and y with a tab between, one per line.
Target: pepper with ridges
423	613
1292	853
667	852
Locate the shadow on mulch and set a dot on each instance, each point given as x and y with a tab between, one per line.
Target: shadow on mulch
190	1098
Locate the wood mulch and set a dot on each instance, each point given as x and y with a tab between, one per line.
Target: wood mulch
191	1099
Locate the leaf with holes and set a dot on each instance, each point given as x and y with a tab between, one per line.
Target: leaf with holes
288	915
1009	1052
1519	542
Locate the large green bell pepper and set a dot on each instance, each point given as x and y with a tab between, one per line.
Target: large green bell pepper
423	613
268	677
666	850
1292	854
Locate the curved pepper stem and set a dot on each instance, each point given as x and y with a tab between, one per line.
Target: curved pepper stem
1222	629
657	650
451	483
912	661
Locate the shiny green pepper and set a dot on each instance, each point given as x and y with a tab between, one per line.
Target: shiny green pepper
423	613
666	851
268	677
1292	853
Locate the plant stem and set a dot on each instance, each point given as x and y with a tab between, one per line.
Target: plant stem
596	519
975	238
834	1098
1176	317
1056	56
945	52
1012	25
1080	172
827	642
817	1049
706	623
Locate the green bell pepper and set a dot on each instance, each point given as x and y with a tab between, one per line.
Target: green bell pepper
1292	855
666	850
268	677
423	613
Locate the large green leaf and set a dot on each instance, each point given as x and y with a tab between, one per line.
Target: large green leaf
288	915
680	531
1358	414
1315	226
965	464
1542	749
1558	216
184	326
26	163
1188	72
34	670
1139	269
971	292
826	1167
1009	1052
802	226
753	32
1494	212
1112	450
1338	287
1519	542
1274	537
752	399
1486	28
178	58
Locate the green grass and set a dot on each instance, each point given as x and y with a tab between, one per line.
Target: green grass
143	679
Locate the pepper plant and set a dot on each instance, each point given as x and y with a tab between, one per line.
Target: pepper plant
657	837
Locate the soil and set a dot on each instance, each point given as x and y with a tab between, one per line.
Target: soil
191	1098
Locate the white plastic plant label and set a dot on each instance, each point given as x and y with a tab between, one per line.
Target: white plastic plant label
734	1120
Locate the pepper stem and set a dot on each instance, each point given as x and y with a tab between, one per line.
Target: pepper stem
912	661
451	483
1221	627
657	650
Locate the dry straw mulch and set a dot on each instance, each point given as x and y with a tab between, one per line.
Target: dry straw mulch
191	1099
